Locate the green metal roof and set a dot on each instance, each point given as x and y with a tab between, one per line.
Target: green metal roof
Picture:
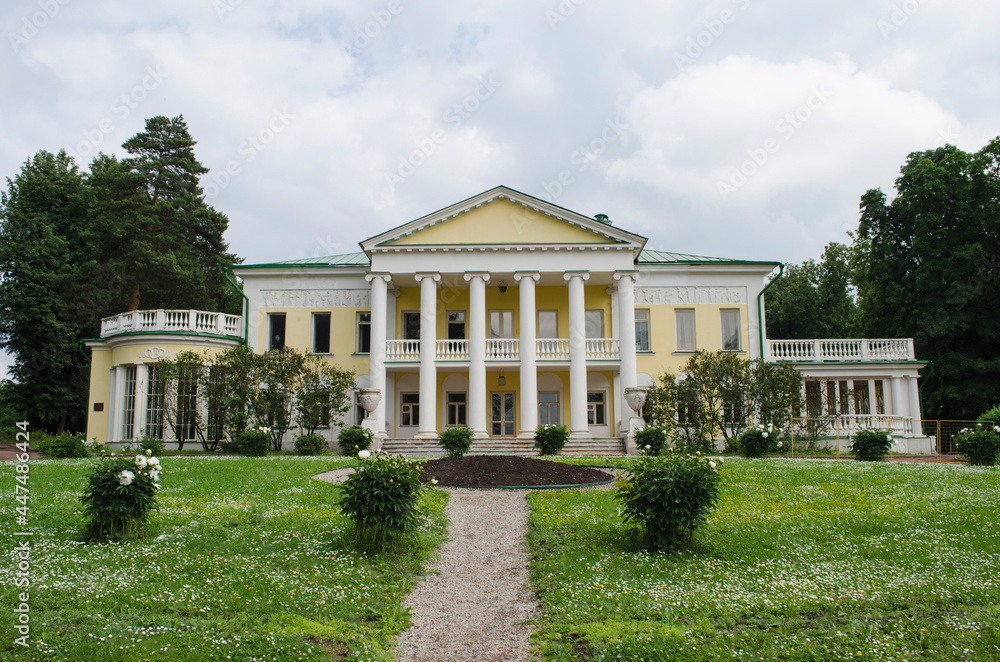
662	257
345	260
361	260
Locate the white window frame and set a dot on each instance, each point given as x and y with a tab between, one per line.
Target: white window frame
680	313
739	329
642	316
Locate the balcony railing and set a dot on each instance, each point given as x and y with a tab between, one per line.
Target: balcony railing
847	350
502	349
151	321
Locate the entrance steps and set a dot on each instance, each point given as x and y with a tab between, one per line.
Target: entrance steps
503	446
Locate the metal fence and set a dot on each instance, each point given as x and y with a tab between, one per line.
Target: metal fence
833	433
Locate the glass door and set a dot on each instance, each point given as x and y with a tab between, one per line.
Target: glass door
502	414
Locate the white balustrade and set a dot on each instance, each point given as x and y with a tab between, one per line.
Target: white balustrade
841	350
402	350
151	321
849	424
503	349
602	349
552	349
452	350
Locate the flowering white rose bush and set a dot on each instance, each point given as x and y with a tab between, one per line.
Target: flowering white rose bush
757	441
381	498
871	444
979	446
120	494
668	496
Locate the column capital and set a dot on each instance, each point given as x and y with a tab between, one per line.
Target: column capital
469	275
433	275
570	275
633	275
533	275
373	275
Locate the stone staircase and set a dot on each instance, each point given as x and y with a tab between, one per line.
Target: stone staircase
503	446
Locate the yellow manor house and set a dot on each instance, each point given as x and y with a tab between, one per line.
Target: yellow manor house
501	313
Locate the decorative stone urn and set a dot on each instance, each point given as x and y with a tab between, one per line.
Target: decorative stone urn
635	397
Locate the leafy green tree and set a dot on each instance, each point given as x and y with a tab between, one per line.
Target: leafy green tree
45	307
813	300
925	266
152	220
322	397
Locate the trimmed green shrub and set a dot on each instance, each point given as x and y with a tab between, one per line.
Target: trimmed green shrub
757	441
352	440
60	446
120	494
666	497
152	444
253	443
651	439
870	445
991	416
381	498
551	439
310	444
456	441
979	447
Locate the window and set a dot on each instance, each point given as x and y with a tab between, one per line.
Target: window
154	404
879	397
594	323
216	411
862	404
456	409
128	405
276	330
187	403
845	398
364	333
548	324
456	325
831	398
501	324
731	330
595	408
732	413
684	322
321	333
642	330
814	402
548	408
409	414
411	325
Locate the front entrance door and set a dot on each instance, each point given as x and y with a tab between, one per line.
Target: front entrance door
502	414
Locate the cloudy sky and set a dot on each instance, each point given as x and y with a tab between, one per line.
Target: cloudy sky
735	128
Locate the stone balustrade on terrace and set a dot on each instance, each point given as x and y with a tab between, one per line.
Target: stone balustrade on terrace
153	321
849	350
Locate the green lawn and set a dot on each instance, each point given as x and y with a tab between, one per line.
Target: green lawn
245	561
801	560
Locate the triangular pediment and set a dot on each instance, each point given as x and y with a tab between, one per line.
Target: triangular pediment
504	217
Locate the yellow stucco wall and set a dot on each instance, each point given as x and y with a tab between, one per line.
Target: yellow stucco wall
708	336
298	333
502	222
100	391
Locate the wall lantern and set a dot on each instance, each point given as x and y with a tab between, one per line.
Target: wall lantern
502	286
501	380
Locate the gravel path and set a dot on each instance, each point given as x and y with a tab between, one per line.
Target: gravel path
472	605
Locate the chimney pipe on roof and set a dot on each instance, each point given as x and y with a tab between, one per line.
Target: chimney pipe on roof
603	218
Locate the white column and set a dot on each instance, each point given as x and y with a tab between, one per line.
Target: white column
529	372
626	327
114	407
376	356
914	392
428	350
577	355
477	353
139	420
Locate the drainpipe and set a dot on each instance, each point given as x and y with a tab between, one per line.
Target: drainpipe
760	307
246	309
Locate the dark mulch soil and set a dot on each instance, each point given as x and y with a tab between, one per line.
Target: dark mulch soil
507	471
